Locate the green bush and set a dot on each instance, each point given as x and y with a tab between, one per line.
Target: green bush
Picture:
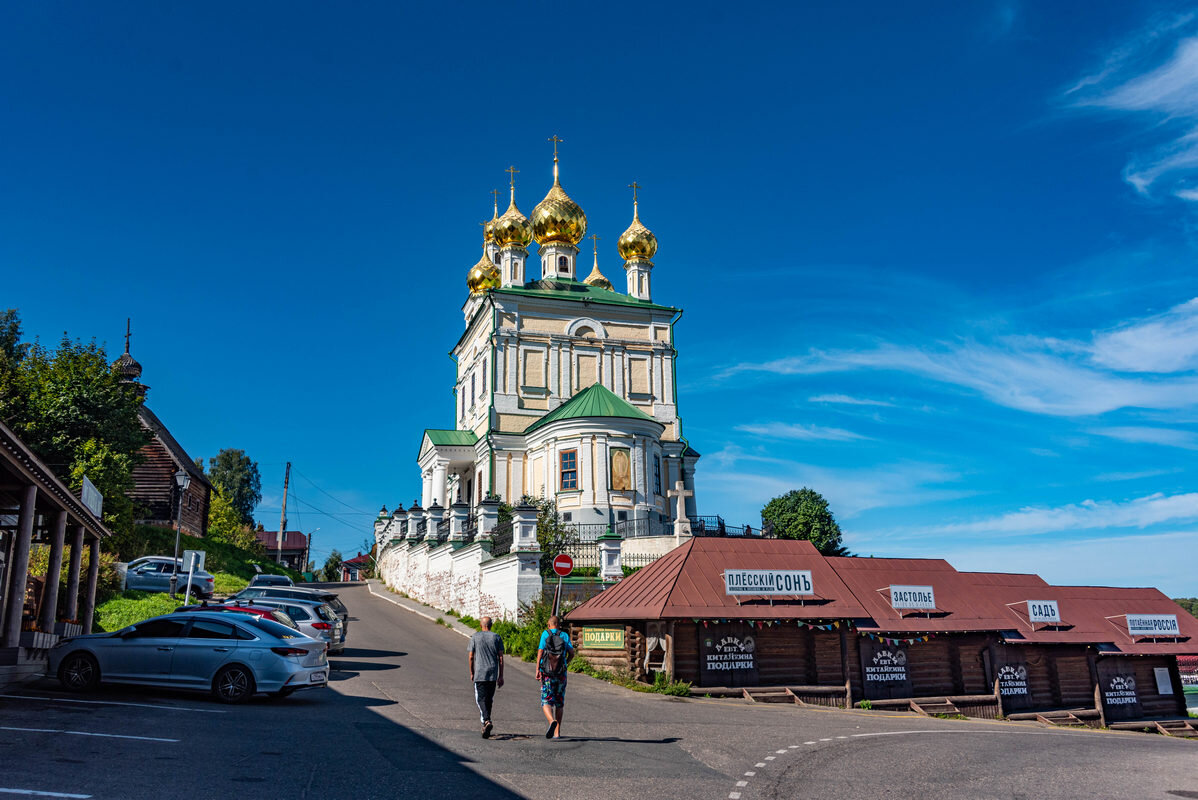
108	585
470	622
132	607
226	583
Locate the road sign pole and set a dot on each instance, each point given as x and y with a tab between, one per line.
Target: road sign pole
557	597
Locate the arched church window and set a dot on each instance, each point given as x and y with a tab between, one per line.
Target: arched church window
563	264
472	393
484	375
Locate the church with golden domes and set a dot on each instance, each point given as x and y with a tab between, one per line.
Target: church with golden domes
565	386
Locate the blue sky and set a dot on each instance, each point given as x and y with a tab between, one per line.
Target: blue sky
937	261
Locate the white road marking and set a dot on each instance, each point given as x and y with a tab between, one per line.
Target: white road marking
740	784
770	758
87	733
842	737
794	746
36	793
734	796
809	743
113	703
780	752
759	764
750	774
825	740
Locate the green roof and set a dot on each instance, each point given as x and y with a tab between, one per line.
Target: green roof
566	289
451	438
593	401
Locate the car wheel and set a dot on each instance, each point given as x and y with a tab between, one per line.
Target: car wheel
233	684
79	672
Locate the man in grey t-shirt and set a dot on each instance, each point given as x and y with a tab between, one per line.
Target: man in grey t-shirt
485	653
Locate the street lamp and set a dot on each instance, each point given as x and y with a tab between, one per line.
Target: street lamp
183	480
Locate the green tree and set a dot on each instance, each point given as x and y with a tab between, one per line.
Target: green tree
804	514
1190	604
332	567
226	525
553	536
71	408
236	476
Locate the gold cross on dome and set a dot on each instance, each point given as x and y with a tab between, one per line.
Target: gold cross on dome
595	238
495	196
634	186
128	334
554	138
512	171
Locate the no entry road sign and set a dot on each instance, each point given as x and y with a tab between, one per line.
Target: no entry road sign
563	565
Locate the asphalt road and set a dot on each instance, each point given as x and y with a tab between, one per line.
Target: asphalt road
399	721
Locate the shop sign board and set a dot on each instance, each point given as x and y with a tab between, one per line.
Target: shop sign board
768	582
1013	688
728	655
1118	686
91	498
1043	611
884	670
922	598
603	637
1152	625
1164	683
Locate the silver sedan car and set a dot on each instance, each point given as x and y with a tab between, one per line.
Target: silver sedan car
233	656
313	617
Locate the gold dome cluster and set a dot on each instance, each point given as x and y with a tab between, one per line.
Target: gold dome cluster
512	228
483	276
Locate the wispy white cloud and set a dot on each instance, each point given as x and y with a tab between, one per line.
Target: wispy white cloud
1135	476
1141	512
1168	437
846	400
1133	81
794	430
1164	343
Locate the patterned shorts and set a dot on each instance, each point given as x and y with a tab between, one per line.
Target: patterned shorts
553	691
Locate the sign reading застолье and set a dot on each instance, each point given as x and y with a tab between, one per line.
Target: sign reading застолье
921	597
1152	625
768	582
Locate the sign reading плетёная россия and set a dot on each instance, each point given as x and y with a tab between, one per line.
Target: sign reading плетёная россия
768	582
921	597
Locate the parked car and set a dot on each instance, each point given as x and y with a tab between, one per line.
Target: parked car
153	574
299	593
270	612
271	580
314	618
233	656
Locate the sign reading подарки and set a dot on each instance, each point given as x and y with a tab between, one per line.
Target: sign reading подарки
768	582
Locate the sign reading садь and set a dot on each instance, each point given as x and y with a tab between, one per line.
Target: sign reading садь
768	581
603	638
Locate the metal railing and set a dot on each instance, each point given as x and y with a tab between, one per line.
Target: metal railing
470	532
501	539
421	528
443	531
585	531
646	526
715	526
637	560
585	554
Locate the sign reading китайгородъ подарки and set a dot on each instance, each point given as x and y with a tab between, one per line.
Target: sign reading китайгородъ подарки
768	582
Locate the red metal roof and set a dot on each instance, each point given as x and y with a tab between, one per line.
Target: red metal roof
292	540
688	582
360	560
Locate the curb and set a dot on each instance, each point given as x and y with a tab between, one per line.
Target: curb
430	617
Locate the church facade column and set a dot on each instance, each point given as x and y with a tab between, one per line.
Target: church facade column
438	479
426	488
49	611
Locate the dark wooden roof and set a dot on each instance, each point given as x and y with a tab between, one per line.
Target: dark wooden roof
177	453
292	540
688	582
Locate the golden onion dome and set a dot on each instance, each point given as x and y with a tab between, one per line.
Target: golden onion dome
483	276
596	278
512	228
557	218
489	225
638	242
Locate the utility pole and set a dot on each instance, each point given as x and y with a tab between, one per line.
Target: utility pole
283	516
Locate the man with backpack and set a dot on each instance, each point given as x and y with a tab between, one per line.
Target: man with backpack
553	657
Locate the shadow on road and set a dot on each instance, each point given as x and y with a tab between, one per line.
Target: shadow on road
670	740
360	666
362	652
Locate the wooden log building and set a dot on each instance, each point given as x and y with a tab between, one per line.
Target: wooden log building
907	634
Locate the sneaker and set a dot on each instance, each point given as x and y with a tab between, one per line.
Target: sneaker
487	726
552	729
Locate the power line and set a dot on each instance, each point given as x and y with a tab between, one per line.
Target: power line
327	494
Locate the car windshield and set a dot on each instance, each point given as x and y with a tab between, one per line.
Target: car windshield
325	613
275	629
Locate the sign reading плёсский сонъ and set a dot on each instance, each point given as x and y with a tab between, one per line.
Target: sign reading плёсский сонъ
768	581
